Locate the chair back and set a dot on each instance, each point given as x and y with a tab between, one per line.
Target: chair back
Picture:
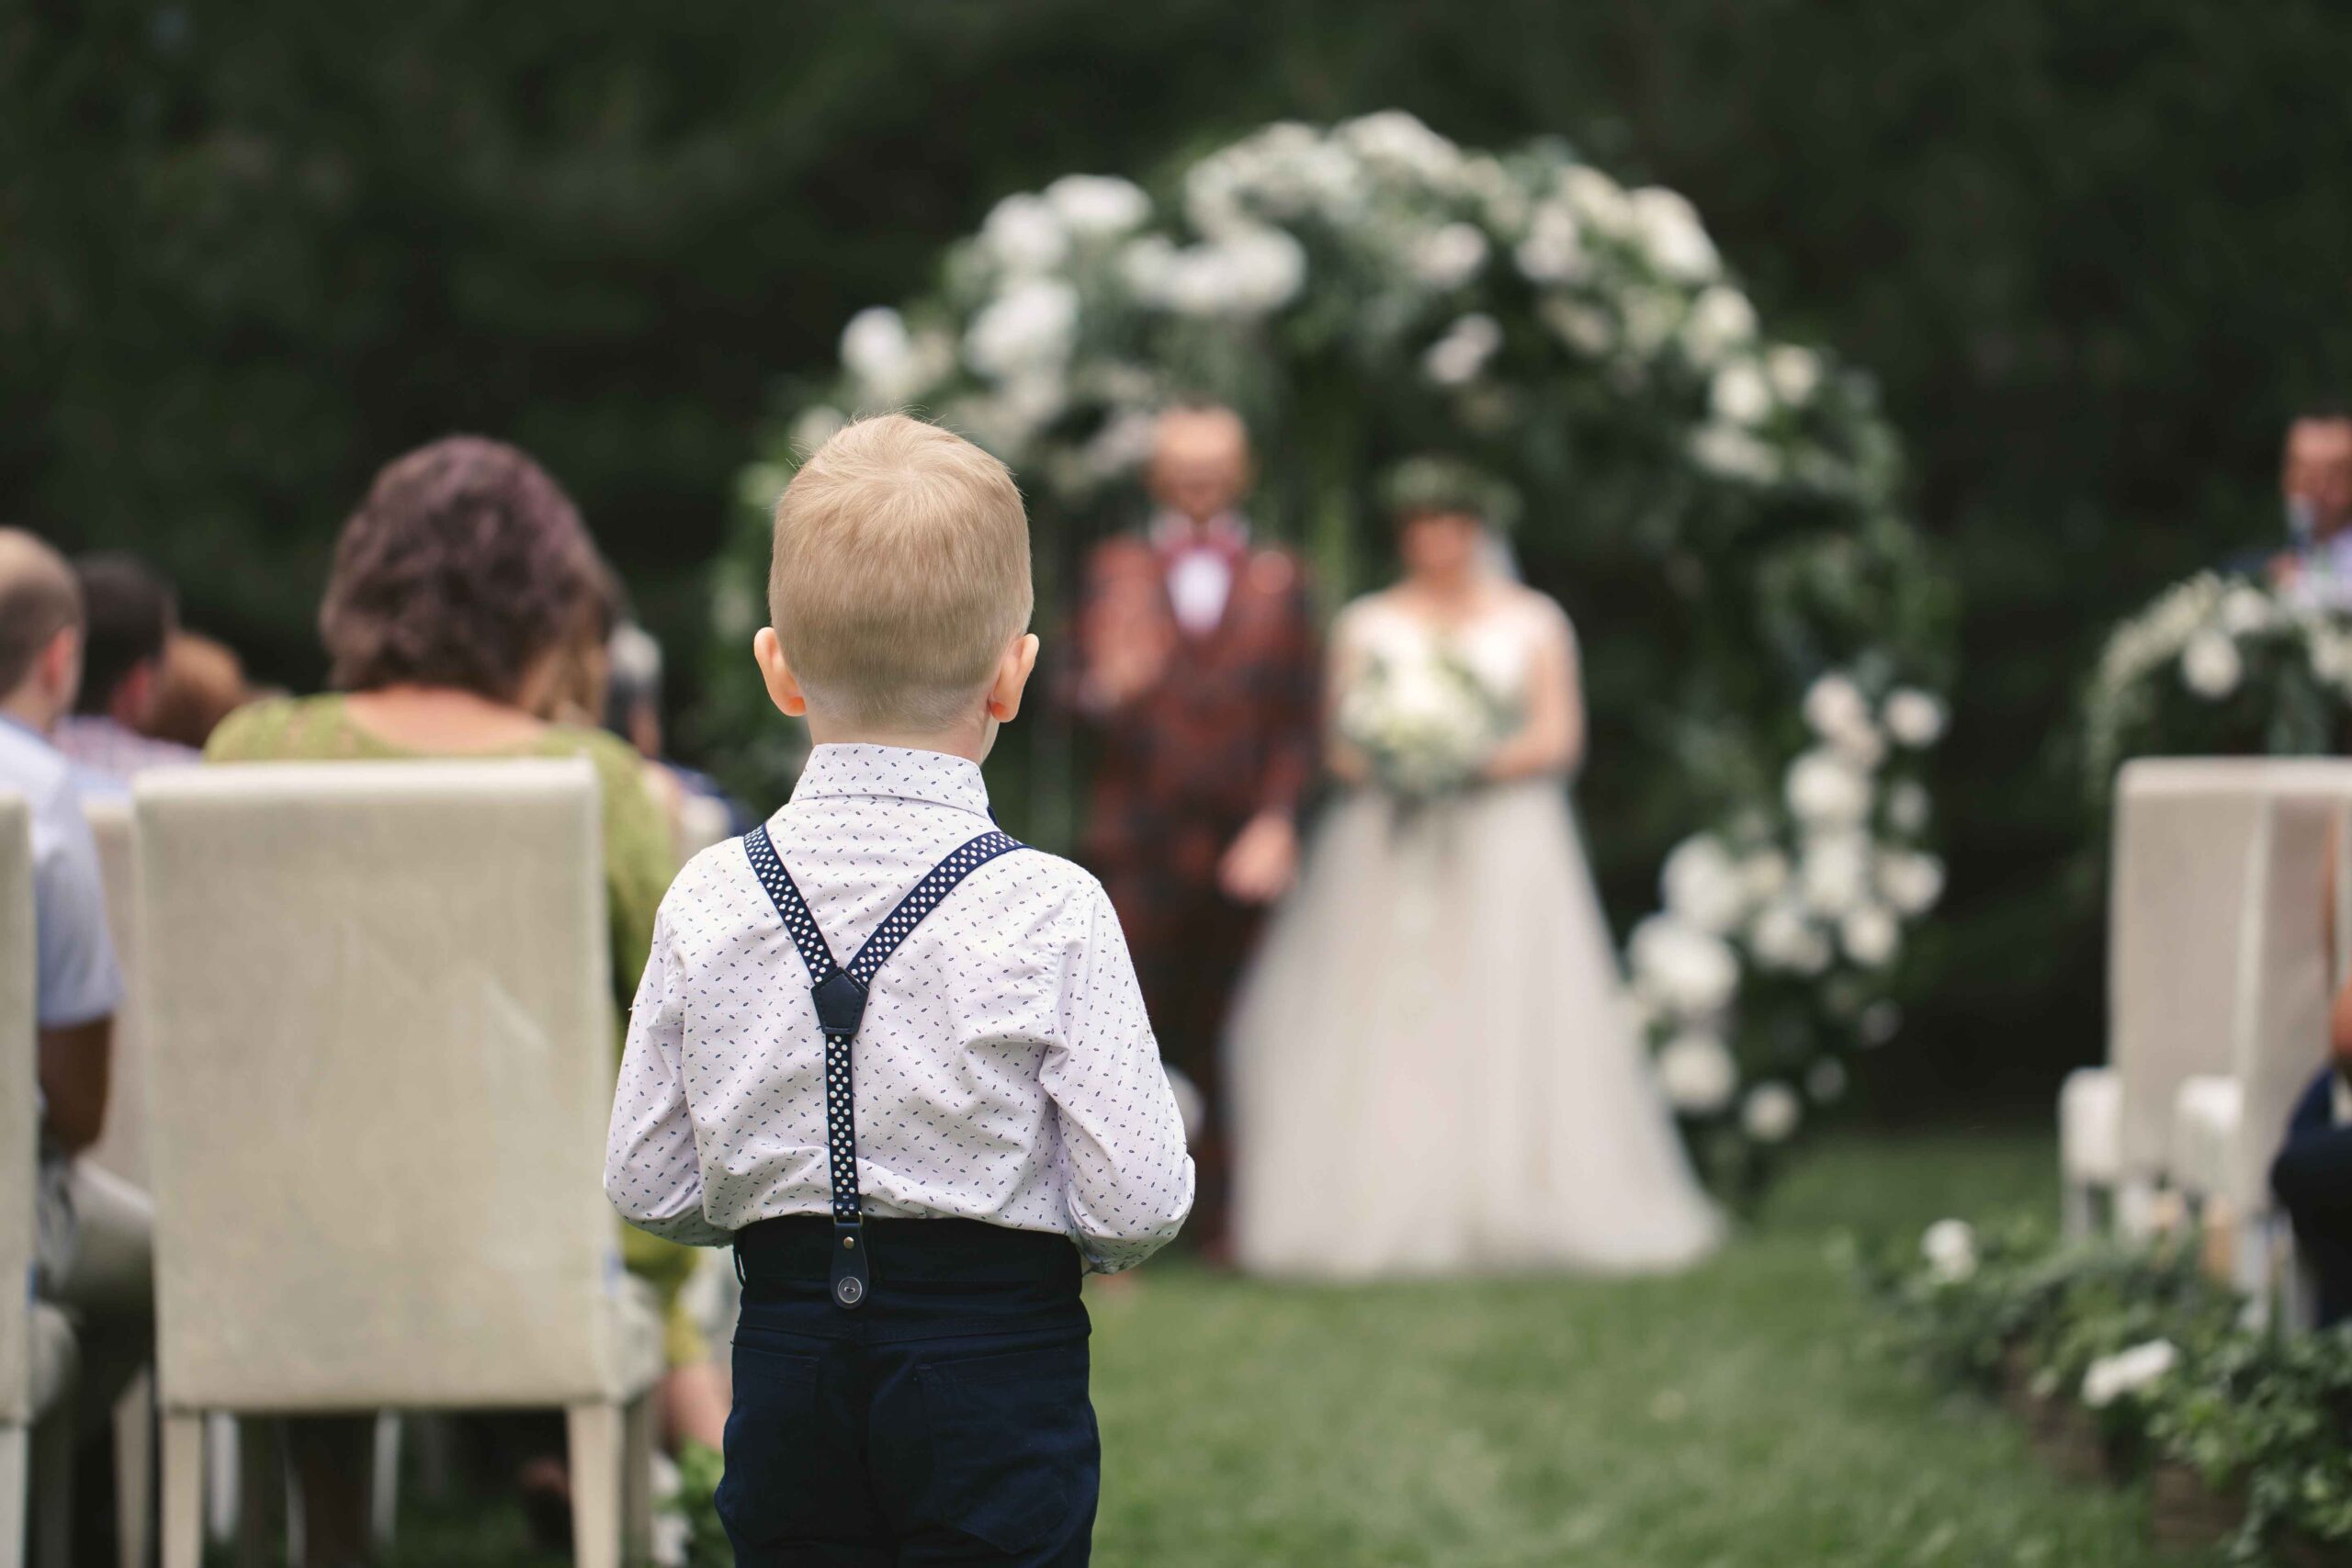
379	1006
2184	835
2280	1037
19	1119
122	1147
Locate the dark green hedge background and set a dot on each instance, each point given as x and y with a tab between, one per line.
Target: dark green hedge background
2095	253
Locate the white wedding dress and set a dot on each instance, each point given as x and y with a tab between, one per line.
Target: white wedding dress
1434	1069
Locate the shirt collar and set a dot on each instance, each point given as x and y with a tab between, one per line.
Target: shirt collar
895	773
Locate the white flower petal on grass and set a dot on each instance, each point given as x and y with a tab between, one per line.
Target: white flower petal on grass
1771	1112
1697	1074
2110	1377
1949	1248
2210	666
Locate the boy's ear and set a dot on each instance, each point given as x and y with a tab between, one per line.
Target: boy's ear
784	688
1013	673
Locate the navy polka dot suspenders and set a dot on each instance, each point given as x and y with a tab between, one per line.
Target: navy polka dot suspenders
838	991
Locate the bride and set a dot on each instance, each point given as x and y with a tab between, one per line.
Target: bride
1434	1068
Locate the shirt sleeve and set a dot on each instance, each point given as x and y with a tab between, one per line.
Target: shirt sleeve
78	981
1126	1173
653	1174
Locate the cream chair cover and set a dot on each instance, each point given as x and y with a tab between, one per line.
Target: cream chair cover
2184	833
382	1056
37	1356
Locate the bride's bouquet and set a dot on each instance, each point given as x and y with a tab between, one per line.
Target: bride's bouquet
1426	725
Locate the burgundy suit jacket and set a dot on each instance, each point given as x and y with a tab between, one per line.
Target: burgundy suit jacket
1227	731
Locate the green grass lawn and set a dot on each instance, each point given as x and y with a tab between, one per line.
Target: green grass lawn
1736	1416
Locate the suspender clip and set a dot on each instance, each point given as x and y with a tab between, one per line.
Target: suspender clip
851	1274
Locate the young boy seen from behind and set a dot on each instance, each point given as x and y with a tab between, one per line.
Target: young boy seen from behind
898	1060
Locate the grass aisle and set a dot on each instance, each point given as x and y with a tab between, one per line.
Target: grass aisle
1735	1417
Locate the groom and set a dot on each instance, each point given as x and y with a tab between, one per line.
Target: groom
1197	673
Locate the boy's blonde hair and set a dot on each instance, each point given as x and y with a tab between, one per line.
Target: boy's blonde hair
900	573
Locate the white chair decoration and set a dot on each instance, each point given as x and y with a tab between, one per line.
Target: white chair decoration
38	1355
2182	833
380	1037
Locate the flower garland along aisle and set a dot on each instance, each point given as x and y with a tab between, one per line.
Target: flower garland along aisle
1719	508
2219	666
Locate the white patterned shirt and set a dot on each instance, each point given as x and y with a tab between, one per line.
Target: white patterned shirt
1004	1070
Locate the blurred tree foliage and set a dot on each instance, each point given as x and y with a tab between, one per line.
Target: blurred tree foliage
249	250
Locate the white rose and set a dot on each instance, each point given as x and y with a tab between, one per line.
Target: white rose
1784	939
1825	788
1399	144
1835	872
1795	374
1668	228
1693	973
2210	666
1915	717
1771	1113
1552	251
1912	881
1449	257
2244	609
1763	874
1732	453
1458	357
1697	1072
1870	935
1601	200
1584	328
1833	703
1031	324
1740	395
1721	320
2109	1378
1702	884
1098	206
1949	1248
1268	266
1024	235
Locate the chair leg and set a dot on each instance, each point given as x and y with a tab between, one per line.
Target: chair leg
134	1472
220	1478
594	1437
261	1490
384	1505
16	1480
637	1478
52	1502
183	1478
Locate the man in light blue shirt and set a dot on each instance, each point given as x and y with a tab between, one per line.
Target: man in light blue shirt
93	1252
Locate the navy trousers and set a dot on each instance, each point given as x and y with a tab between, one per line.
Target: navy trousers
946	1420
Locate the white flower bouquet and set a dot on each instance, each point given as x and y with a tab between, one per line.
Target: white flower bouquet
1427	724
2219	666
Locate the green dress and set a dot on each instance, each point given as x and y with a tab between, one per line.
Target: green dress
639	860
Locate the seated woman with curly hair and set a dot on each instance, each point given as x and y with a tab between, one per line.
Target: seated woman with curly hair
457	588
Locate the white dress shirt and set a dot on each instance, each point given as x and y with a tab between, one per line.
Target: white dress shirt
1200	567
1004	1070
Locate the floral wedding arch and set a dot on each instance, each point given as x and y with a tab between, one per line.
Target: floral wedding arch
1717	508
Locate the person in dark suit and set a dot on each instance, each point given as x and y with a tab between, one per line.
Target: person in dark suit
2316	488
1198	675
2312	1173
